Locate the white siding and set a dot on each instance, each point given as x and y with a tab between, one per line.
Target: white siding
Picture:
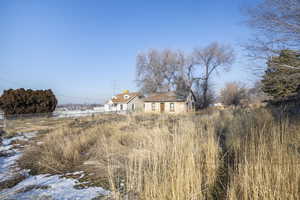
122	107
138	104
136	101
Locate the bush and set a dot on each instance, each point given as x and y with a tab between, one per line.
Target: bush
21	101
233	94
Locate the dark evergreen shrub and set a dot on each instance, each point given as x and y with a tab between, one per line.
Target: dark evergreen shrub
21	101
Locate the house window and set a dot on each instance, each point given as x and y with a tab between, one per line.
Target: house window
121	107
126	96
153	106
132	107
172	107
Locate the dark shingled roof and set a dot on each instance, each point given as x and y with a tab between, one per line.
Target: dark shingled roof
164	97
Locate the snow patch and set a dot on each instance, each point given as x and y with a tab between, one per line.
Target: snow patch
7	142
51	187
77	113
7	163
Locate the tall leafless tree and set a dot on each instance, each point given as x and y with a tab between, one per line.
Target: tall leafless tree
277	26
210	59
157	71
185	77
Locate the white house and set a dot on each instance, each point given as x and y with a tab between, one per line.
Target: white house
126	101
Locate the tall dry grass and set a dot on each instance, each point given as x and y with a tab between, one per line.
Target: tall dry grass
181	165
227	155
266	159
66	148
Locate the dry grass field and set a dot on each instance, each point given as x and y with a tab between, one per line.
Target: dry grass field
222	155
25	124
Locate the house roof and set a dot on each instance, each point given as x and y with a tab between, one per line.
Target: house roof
124	97
164	97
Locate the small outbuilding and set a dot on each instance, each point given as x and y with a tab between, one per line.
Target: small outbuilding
169	102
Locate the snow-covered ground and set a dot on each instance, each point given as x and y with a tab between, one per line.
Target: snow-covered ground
78	113
43	186
52	187
11	153
72	113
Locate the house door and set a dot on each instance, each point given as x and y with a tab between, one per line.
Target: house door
162	107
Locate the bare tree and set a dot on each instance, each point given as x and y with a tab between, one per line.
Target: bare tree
173	63
277	26
199	87
210	59
185	76
150	72
159	71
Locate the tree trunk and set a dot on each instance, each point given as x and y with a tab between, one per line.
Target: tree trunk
205	89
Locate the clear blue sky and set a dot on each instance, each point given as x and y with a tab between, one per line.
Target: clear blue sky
80	48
